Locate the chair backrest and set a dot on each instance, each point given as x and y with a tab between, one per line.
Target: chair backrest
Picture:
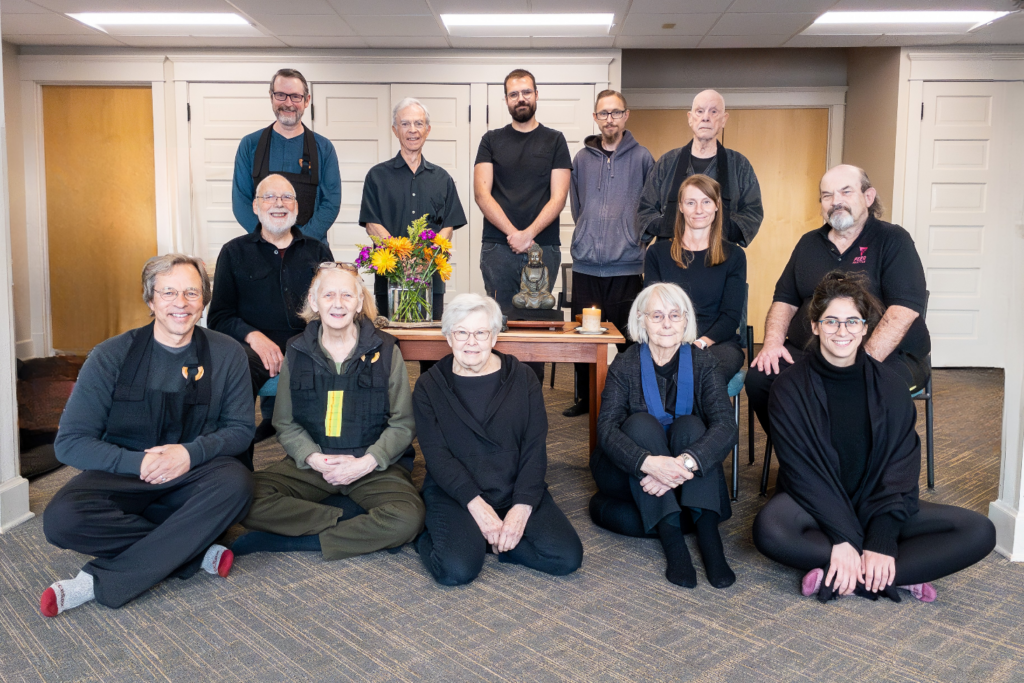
565	296
743	315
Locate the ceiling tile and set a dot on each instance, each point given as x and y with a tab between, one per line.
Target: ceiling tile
759	23
490	43
411	42
379	6
254	7
567	6
768	40
394	26
308	24
323	41
557	43
205	41
830	41
100	39
901	40
651	24
476	7
48	23
21	7
781	6
1008	30
677	7
133	5
657	42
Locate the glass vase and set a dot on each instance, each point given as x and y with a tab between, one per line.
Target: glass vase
410	303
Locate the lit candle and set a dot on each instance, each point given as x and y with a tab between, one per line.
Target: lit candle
592	319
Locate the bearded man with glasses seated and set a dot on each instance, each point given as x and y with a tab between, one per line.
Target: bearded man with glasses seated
260	285
159	422
286	147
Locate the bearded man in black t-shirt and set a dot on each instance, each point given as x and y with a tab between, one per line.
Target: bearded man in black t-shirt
852	239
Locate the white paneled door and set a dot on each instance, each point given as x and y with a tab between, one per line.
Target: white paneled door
357	119
963	220
567	108
448	147
221	115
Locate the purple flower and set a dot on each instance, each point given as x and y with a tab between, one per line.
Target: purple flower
428	235
416	280
364	256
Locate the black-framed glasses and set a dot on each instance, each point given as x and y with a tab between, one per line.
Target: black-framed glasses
463	335
351	267
169	294
296	98
658	317
853	325
603	115
272	198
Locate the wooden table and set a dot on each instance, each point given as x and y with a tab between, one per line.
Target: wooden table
530	345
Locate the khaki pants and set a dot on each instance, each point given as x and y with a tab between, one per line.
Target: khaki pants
286	501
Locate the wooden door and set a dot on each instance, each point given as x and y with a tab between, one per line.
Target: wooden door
788	149
100	210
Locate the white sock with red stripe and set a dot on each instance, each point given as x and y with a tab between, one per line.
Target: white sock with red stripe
65	595
218	560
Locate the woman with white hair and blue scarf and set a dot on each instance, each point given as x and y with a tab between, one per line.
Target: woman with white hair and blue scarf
665	427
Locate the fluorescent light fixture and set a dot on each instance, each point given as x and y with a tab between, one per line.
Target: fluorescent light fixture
527	25
901	22
168	23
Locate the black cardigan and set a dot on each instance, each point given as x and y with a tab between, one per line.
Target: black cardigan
624	395
809	464
504	459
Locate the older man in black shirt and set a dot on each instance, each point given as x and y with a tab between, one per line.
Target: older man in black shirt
400	190
261	283
853	238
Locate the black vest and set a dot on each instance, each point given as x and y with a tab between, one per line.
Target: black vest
684	170
343	413
305	182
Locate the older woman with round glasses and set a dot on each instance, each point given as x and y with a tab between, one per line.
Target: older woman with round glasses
846	507
664	429
482	429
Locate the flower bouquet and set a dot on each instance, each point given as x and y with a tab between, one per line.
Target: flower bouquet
409	264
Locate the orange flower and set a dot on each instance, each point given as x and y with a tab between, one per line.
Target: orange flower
443	244
444	269
401	246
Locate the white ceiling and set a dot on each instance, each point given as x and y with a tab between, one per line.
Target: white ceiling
417	23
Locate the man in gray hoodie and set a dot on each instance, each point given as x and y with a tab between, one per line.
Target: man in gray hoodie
608	175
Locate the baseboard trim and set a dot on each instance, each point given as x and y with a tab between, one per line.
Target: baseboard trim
1007	522
14	503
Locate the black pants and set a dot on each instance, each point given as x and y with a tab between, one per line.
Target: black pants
614	296
758	384
142	533
453	549
633	512
730	357
937	541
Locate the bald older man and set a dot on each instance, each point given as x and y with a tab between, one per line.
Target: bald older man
853	238
742	212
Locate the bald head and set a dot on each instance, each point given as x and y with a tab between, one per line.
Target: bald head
847	197
707	116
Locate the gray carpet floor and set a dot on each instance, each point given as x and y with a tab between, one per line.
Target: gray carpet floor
382	618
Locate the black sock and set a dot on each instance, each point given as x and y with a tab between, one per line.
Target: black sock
710	543
265	542
680	569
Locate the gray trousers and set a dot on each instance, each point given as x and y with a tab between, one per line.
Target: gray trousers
502	269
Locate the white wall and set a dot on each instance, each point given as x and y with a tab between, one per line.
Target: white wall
16	207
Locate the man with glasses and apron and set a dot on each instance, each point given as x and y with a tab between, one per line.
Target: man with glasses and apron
286	147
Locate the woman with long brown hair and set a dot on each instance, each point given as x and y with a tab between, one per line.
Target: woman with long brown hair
712	272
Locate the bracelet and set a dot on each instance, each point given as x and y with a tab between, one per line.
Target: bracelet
703	344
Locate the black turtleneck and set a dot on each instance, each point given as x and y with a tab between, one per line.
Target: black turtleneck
669	372
850	434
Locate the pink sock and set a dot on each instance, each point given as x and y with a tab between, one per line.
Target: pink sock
925	592
812	582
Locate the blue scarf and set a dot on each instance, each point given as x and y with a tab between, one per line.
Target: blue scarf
684	385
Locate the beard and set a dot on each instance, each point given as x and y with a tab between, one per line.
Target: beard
286	117
522	114
840	221
274	226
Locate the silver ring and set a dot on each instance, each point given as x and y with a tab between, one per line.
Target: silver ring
163	479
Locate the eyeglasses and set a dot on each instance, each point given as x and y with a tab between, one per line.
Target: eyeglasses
172	294
853	325
296	98
407	125
603	115
659	317
272	198
515	94
351	267
463	335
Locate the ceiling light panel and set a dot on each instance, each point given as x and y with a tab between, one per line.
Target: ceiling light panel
210	24
901	23
527	25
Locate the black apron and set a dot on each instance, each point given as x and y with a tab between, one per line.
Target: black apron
684	169
142	418
305	182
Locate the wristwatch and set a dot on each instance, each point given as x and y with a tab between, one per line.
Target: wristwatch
689	463
703	344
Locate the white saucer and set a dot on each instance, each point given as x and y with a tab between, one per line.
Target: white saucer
579	330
